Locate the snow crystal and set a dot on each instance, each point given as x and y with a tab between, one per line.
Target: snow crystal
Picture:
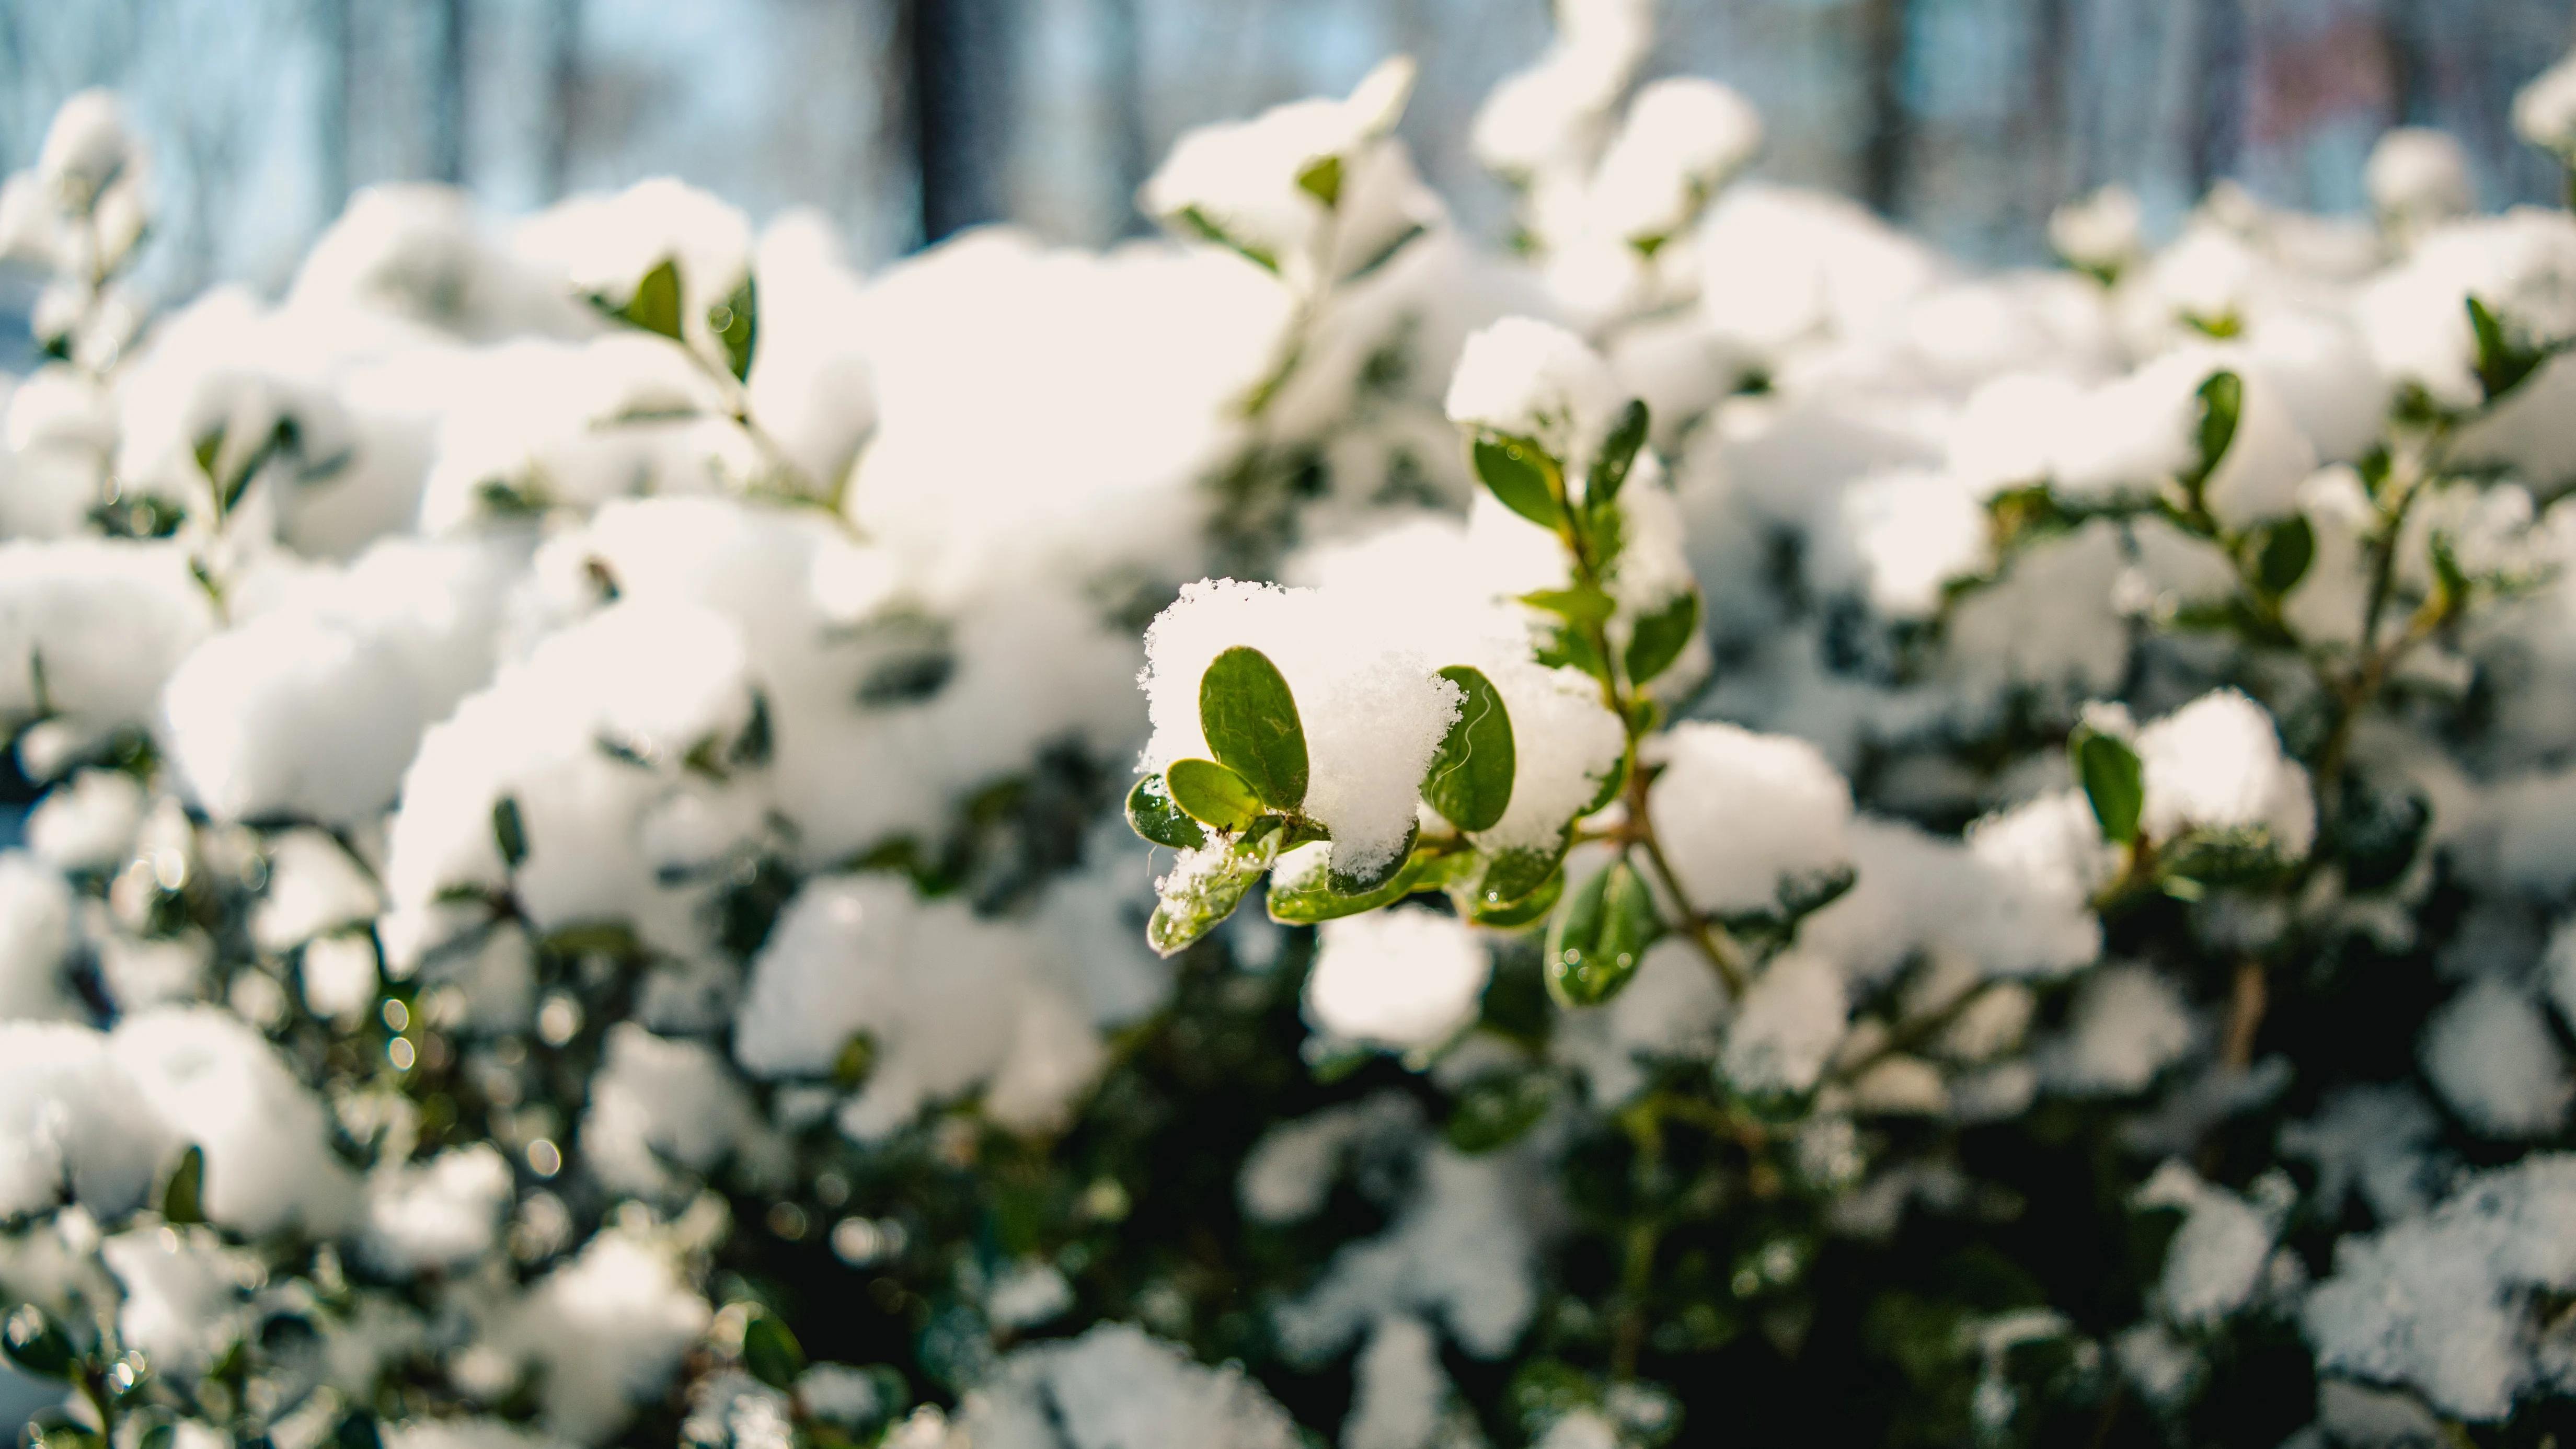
1398	979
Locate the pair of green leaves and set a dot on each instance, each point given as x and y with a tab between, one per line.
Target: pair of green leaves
1530	481
2502	362
1600	935
1250	721
656	307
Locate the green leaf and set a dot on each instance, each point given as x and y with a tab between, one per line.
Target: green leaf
1312	898
1495	1109
1206	229
1611	785
770	1351
855	1060
1322	180
1202	891
1618	455
2501	364
736	323
655	307
1528	910
1151	814
1512	875
1564	646
1581	604
1359	883
36	1343
357	1430
1660	637
1522	475
1210	793
2288	548
2113	780
1599	937
2222	402
1250	720
1470	780
55	1428
210	451
183	1196
509	832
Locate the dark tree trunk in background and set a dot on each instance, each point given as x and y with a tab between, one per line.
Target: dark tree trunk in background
1883	27
959	58
563	91
2052	120
339	26
2218	80
447	94
1123	81
2410	89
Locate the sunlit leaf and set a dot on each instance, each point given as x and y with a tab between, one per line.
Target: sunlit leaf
1470	780
1250	720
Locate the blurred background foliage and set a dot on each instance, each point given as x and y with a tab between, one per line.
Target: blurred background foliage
903	120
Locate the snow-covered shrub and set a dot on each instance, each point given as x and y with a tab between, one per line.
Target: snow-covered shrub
1709	825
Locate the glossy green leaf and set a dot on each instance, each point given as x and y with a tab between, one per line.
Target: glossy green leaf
1512	875
1212	794
2113	781
1618	455
1599	937
1528	910
1151	814
183	1196
2288	548
56	1428
1250	720
1470	780
1322	180
210	451
1202	891
2222	402
655	307
509	831
36	1343
1660	637
1311	898
770	1351
1369	882
1522	475
736	323
1495	1109
1611	785
1564	646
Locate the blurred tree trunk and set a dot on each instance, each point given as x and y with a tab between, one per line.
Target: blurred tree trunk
563	92
1883	38
2410	90
2218	87
339	27
2050	128
1131	156
447	94
958	86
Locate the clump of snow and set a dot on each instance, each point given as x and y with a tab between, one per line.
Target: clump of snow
2544	110
1461	1251
2442	1303
1117	1388
1787	1026
219	1085
1372	708
2490	1054
2417	176
2214	1263
2216	764
606	1329
1525	378
2127	1024
1742	815
1398	979
442	1214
